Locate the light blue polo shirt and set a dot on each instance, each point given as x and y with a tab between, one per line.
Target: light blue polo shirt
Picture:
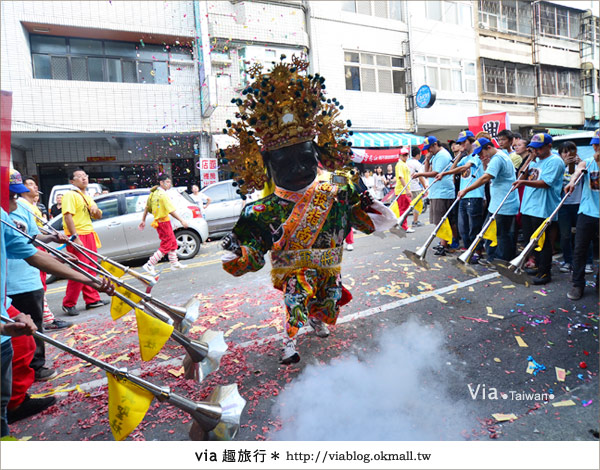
23	277
472	175
540	202
591	189
14	246
502	171
443	189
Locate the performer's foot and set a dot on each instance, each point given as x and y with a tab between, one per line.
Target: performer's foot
149	269
349	246
320	328
289	354
178	265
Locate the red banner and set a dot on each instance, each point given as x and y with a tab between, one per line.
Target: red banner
5	124
491	123
375	156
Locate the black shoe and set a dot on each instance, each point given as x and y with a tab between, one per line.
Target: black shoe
58	325
542	279
71	311
44	373
100	303
575	293
441	251
531	271
29	407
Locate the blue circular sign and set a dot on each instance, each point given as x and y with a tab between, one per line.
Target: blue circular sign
425	97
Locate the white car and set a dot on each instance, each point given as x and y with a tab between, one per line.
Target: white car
121	237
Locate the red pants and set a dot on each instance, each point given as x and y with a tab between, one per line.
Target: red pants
22	375
350	237
43	274
168	242
403	204
90	295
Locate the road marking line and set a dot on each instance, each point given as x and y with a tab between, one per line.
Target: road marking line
176	361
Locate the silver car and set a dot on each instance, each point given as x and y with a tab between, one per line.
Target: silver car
224	209
118	229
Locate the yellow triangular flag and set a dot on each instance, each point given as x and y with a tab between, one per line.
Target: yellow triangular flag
127	405
118	308
111	268
540	243
490	234
418	206
152	333
395	209
445	232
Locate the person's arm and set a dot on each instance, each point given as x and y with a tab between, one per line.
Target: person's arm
68	219
483	179
454	170
143	222
176	216
23	326
208	201
533	184
571	185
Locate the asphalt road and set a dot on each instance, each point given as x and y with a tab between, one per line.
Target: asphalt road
419	354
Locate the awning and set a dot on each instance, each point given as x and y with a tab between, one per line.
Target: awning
565	131
375	156
384	139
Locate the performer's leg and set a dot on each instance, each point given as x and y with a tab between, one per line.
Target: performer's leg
298	289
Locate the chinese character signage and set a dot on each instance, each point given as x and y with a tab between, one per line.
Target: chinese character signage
491	123
209	171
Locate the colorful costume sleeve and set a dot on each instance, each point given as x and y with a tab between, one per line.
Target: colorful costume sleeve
359	218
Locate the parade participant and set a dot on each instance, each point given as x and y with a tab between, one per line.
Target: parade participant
588	216
499	172
506	139
160	206
303	223
78	210
470	207
199	198
543	187
416	184
402	189
441	194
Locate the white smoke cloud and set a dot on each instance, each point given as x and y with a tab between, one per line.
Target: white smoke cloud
400	391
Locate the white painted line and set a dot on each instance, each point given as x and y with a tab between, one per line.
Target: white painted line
176	361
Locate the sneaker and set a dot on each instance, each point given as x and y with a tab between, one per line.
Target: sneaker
542	279
417	224
57	325
349	247
44	373
531	271
71	311
455	244
320	328
575	293
29	407
100	303
589	269
441	251
410	230
289	354
484	261
149	269
176	266
565	267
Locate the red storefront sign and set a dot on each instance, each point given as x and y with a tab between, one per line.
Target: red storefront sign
491	123
375	156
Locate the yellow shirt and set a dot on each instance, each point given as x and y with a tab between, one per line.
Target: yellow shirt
35	209
159	205
516	159
76	203
402	171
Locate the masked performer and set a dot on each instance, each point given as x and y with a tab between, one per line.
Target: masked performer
286	127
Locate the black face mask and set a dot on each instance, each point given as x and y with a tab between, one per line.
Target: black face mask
293	167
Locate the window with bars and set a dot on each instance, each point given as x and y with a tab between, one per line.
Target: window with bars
458	13
382	9
561	82
374	72
61	58
448	74
558	21
507	16
507	78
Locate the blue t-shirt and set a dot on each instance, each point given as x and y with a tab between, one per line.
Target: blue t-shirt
443	189
540	202
591	189
502	171
471	175
575	196
23	277
14	246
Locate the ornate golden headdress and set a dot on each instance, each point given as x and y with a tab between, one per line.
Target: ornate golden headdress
283	108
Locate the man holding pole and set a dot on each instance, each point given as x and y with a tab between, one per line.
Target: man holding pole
402	191
543	187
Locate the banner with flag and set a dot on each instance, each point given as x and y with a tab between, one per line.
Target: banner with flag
111	268
127	405
491	123
152	334
445	231
540	243
490	234
118	308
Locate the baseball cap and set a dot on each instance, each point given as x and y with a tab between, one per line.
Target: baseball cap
464	135
539	140
479	144
428	141
403	151
596	138
15	183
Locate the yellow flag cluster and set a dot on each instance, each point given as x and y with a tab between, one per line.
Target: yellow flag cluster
111	268
490	234
540	243
118	308
152	334
445	232
415	204
127	405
